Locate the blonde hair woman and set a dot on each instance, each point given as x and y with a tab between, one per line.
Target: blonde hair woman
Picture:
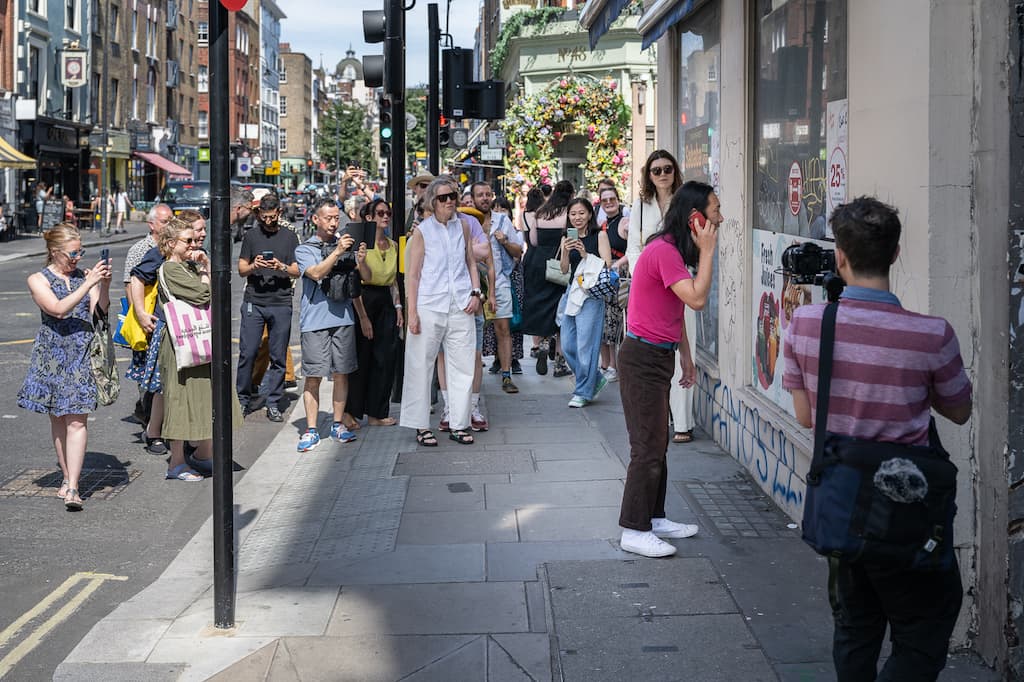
59	382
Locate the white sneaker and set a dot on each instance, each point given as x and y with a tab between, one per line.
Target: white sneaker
645	544
611	374
577	401
664	528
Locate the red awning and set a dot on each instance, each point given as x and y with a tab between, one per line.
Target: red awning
173	169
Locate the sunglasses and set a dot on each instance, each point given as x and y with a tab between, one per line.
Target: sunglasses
190	240
74	255
658	171
450	196
383	214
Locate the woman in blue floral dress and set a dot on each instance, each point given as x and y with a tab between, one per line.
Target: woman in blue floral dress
59	381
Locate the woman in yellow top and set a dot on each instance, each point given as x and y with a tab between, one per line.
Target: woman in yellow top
369	388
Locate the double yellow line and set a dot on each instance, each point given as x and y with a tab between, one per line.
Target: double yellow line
93	581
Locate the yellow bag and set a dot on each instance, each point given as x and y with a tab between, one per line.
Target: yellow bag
132	331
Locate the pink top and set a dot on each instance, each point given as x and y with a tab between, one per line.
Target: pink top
655	312
889	367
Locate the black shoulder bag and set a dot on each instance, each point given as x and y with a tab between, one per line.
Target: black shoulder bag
883	504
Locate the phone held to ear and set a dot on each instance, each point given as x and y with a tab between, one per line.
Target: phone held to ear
697	220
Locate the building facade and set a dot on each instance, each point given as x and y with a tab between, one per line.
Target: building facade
270	79
780	106
296	106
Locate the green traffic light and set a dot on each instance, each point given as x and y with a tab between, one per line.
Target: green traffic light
385	133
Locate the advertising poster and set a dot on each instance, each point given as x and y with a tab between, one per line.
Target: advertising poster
775	298
837	126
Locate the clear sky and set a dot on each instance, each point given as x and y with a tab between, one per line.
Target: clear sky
327	28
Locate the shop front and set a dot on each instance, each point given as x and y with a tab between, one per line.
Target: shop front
61	150
118	154
789	108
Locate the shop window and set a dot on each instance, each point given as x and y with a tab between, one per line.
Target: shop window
698	153
799	164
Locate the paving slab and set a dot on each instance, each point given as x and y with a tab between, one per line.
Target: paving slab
118	672
501	667
577	523
553	494
285	611
106	642
530	652
589	449
206	656
432	528
552	434
288	575
574	470
467	663
465	461
709	648
415	609
636	588
457	493
255	666
351	547
341	526
407	564
163	599
536	606
519	560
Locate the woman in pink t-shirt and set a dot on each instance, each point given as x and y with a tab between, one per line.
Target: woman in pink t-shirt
661	289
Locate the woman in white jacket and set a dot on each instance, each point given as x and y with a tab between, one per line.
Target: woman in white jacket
661	179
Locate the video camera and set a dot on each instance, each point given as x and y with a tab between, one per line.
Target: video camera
808	263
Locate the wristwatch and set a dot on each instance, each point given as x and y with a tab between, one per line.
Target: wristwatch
477	293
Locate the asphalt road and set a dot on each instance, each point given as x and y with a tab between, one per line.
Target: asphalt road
132	534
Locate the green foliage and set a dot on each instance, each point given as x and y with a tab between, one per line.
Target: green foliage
416	104
345	135
539	18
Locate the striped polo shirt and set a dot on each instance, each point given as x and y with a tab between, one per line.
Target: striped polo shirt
889	366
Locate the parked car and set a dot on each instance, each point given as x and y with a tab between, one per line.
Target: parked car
181	195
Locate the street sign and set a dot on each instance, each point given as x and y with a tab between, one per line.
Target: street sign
276	165
410	121
496	138
489	153
460	136
244	169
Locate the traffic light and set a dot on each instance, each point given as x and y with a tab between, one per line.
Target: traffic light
386	123
374	31
444	136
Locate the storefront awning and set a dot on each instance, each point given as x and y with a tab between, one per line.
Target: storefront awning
598	15
663	15
12	158
163	163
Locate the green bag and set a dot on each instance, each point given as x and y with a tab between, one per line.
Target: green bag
102	360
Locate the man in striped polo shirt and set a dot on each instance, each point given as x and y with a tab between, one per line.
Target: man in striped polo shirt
891	367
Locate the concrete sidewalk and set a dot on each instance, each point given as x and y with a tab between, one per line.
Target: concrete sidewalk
381	560
32	244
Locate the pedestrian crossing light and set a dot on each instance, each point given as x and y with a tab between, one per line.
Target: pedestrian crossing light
444	136
386	126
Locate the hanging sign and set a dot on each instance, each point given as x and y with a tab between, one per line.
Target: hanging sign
72	68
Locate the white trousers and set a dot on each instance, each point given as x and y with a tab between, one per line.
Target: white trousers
680	400
455	332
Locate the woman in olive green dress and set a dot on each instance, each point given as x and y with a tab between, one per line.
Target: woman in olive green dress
188	407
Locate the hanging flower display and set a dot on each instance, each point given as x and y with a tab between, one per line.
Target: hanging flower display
571	105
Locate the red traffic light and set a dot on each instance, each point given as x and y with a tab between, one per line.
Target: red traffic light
233	5
309	162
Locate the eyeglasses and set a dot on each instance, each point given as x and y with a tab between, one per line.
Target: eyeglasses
74	255
190	241
658	171
450	196
609	200
383	214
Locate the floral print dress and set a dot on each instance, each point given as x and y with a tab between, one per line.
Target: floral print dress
59	380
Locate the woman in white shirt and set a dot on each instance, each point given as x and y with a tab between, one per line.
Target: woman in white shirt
661	179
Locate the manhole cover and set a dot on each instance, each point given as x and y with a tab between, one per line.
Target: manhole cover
96	484
737	509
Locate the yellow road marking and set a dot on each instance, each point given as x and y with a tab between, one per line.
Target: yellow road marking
19	342
95	580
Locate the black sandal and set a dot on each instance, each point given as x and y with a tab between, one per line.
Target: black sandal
426	438
462	437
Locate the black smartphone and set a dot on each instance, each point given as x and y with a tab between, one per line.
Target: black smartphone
268	255
105	255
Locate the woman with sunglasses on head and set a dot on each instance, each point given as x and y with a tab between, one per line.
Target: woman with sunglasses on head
369	387
443	296
59	382
661	290
661	178
188	401
616	226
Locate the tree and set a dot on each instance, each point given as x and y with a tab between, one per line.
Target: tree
345	137
416	104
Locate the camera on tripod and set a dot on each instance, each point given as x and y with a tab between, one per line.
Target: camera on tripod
808	263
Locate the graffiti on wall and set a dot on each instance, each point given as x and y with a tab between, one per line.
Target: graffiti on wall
766	451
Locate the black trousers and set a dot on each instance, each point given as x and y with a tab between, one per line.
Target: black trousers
645	376
369	387
919	607
278	321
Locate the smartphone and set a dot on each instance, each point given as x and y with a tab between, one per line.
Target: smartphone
572	233
268	255
697	220
105	255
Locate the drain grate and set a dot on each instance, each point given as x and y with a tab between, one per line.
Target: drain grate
737	509
96	484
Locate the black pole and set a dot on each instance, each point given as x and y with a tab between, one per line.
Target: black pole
220	282
433	90
394	84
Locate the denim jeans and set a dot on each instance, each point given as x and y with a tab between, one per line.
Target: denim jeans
581	345
919	607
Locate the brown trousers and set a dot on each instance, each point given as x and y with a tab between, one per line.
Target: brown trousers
262	361
645	376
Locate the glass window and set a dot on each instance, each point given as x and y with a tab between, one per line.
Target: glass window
282	137
283	105
133	30
71	10
203	79
698	153
204	124
203	32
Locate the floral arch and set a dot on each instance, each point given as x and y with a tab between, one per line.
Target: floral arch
534	125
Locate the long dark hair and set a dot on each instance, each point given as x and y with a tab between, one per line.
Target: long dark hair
558	201
591	222
534	200
691	196
368	211
647	190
